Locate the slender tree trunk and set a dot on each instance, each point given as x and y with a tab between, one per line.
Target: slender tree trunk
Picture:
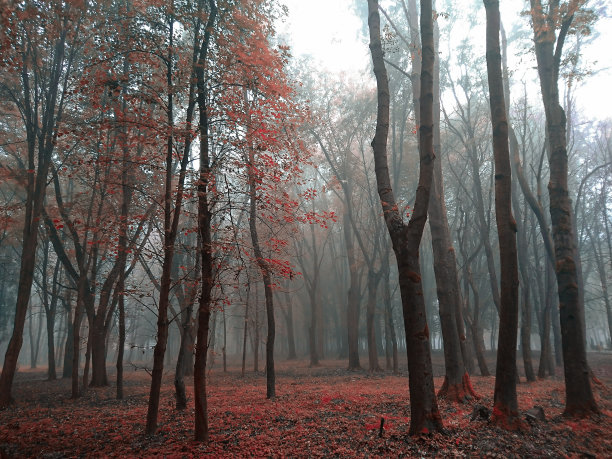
290	330
265	270
505	411
256	334
373	279
205	229
171	221
69	345
352	312
246	329
51	373
121	343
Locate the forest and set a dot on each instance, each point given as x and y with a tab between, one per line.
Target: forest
213	246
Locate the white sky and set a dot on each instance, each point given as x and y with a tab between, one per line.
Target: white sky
329	32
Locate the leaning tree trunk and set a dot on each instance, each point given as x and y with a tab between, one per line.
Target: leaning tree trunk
406	239
579	399
505	410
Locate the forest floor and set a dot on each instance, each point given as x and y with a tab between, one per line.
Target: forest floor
323	411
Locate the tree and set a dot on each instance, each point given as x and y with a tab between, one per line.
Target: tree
39	59
406	238
579	399
505	409
456	383
201	66
172	214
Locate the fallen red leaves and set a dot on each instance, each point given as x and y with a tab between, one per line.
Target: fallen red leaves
324	411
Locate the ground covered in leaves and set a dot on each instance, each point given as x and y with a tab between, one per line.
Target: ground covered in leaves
324	411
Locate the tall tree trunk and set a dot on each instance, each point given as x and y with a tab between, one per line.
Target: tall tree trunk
205	229
263	266
406	239
171	221
579	396
505	411
456	386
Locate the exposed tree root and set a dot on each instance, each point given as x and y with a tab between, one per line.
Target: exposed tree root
459	393
508	419
430	423
581	411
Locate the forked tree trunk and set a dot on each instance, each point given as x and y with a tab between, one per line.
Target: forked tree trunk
505	409
579	396
406	239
